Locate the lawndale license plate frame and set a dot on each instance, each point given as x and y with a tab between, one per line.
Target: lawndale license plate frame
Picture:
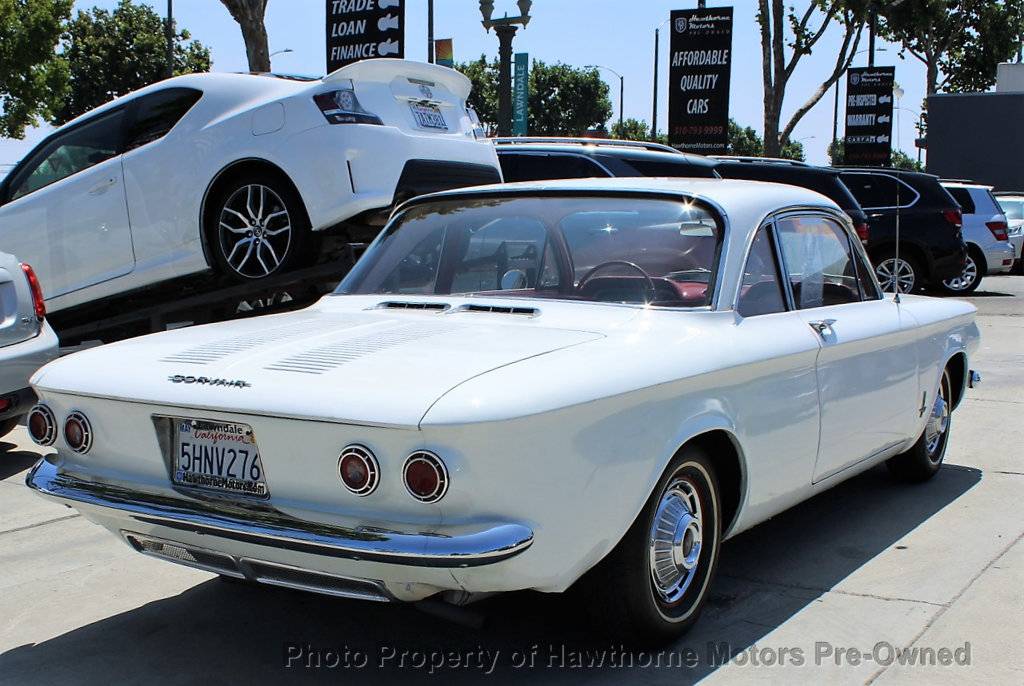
217	457
428	116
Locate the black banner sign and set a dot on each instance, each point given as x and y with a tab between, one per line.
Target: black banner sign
364	29
869	115
700	60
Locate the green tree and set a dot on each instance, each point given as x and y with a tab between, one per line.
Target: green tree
746	142
787	35
632	130
564	100
33	79
960	42
114	53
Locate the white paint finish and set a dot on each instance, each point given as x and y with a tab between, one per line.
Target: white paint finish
564	417
145	227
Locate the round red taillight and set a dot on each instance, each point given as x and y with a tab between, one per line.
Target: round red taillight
78	432
42	425
358	469
426	477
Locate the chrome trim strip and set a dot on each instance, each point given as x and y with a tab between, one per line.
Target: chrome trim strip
417	549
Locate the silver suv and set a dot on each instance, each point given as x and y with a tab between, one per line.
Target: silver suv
26	341
985	233
1012	203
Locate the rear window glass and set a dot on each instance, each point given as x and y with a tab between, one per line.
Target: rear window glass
879	190
1013	208
643	167
963	198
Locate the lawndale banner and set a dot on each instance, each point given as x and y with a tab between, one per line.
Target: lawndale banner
364	29
700	60
521	95
869	115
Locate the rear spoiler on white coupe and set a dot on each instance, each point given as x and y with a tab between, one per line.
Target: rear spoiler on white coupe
383	70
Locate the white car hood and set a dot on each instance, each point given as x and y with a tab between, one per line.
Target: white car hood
374	367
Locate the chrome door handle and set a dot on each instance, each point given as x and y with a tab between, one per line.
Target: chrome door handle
822	326
102	187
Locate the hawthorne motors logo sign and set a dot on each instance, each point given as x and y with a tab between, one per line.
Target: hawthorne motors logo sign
681	25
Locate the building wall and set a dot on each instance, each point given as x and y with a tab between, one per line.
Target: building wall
977	136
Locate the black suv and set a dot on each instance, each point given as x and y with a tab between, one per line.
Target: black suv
931	248
820	179
540	159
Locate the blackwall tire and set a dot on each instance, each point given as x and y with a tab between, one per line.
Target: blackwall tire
924	459
652	587
256	227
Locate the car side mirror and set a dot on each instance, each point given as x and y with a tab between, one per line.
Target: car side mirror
513	279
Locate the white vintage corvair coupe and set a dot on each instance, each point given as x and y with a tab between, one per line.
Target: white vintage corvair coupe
520	387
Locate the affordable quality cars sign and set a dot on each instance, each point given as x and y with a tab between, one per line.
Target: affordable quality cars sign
869	115
700	60
364	29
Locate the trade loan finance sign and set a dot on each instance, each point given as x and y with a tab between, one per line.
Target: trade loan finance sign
364	29
869	115
699	63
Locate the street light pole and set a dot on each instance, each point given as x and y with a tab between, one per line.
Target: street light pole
169	34
622	90
654	109
505	28
430	31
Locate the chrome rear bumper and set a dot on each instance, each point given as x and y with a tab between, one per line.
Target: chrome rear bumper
467	548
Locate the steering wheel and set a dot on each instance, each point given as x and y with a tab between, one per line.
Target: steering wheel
610	263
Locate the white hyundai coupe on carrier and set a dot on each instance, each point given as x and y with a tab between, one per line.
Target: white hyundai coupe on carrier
520	387
235	172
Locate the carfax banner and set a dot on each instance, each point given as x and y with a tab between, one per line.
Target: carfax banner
869	115
700	61
364	29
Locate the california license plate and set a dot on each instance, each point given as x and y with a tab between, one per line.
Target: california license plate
428	116
218	456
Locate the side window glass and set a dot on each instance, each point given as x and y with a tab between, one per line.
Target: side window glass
879	190
75	151
819	262
963	198
544	167
868	288
157	113
760	290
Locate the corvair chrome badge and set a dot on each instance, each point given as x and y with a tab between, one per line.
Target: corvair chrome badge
205	380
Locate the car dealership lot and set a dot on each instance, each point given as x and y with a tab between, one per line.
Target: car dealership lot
827	589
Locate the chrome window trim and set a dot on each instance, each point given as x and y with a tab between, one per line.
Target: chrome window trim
917	196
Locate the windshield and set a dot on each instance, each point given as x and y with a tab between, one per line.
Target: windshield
624	249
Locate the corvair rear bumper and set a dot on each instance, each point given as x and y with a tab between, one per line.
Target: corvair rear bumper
150	522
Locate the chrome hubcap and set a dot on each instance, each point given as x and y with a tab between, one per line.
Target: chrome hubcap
893	272
966	278
676	540
255	231
938	422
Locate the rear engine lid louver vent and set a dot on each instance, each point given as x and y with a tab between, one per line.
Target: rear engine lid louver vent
404	305
501	309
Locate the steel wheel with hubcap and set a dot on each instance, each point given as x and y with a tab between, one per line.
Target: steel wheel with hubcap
257	228
893	271
653	585
925	457
967	281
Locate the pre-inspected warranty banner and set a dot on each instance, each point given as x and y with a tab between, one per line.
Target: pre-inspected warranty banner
869	115
364	29
700	60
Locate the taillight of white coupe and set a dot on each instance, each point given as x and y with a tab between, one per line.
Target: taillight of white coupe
234	172
520	387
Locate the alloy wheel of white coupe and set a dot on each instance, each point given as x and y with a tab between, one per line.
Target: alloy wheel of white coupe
255	231
966	279
892	271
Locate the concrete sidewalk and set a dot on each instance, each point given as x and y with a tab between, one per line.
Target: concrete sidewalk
865	573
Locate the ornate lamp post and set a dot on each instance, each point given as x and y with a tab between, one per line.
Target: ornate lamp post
505	28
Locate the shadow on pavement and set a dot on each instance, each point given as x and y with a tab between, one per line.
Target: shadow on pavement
13	460
225	632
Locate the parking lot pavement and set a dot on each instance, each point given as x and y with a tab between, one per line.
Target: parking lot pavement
868	573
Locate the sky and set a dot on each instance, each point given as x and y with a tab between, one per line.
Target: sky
616	33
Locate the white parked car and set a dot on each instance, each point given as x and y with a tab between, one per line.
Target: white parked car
26	340
235	172
520	387
1012	204
986	234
